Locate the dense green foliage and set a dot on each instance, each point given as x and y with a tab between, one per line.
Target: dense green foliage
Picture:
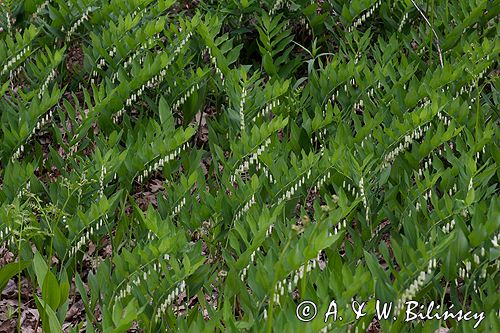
206	165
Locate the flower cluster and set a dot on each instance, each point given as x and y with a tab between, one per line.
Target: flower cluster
321	181
427	165
5	232
305	23
39	125
178	208
472	102
495	240
245	208
269	230
43	121
113	77
143	47
476	259
141	13
135	283
267	173
24	190
7	16
336	94
150	42
378	229
161	162
17	153
478	154
338	227
100	65
285	26
134	96
101	181
15	60
267	109
15	73
213	60
446	120
371	92
277	6
245	270
464	273
185	97
242	104
170	298
452	146
448	226
112	52
321	135
403	21
279	288
150	235
254	158
416	285
350	189
146	45
365	16
363	197
288	194
480	75
77	24
427	196
482	254
183	42
408	139
421	50
352	82
155	80
326	106
130	59
49	78
468	88
41	7
86	236
465	89
358	105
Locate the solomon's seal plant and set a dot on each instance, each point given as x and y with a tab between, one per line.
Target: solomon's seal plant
206	166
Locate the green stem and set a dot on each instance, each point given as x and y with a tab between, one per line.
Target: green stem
19	273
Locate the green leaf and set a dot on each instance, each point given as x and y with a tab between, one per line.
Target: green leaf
9	270
470	197
53	325
166	116
268	64
382	288
51	294
40	267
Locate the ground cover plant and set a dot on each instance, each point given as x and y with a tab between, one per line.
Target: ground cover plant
220	166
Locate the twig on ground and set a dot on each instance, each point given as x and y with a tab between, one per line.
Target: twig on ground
435	34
